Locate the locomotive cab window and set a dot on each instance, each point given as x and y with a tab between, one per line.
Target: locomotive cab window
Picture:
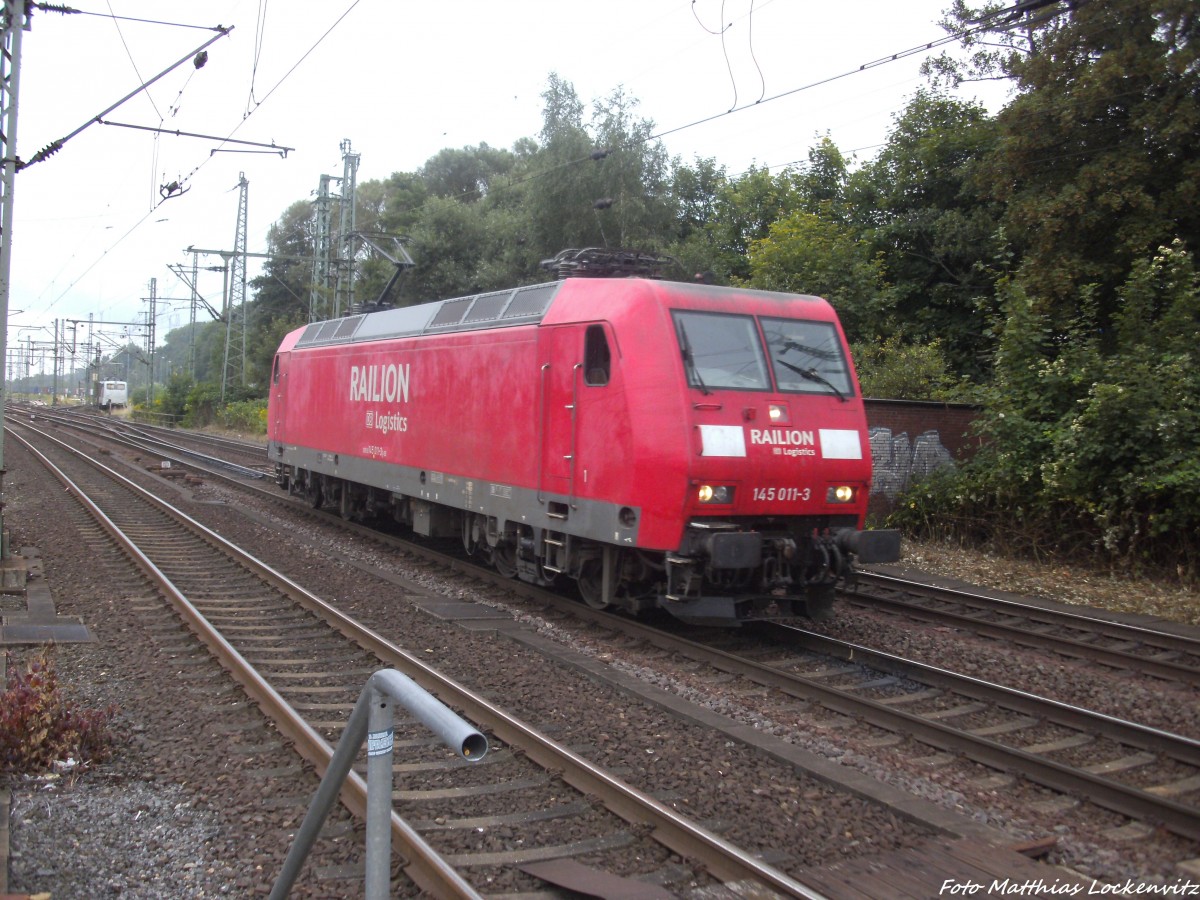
275	376
721	351
597	358
808	357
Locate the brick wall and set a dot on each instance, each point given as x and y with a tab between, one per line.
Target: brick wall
909	439
951	421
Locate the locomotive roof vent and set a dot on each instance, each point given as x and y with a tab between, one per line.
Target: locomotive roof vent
331	331
518	306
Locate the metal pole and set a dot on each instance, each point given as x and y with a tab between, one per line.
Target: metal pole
225	359
373	719
192	326
327	794
54	397
380	739
10	82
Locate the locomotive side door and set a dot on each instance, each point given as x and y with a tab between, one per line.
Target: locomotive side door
278	401
560	361
576	365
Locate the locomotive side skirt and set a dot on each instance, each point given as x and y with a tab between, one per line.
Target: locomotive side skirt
507	503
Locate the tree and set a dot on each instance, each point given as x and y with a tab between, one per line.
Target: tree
1096	158
694	192
746	207
603	183
562	186
821	184
447	242
806	254
465	174
636	209
921	206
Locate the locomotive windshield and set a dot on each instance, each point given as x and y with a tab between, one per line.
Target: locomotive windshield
721	351
726	351
807	357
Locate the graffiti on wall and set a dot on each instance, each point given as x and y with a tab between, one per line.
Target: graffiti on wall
899	461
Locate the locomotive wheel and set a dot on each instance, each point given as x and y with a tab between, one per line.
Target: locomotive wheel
504	558
591	584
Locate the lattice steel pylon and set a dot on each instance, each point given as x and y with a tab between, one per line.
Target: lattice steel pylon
16	21
347	239
320	290
236	312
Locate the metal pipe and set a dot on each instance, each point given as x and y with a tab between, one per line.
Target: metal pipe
325	797
380	743
458	735
373	719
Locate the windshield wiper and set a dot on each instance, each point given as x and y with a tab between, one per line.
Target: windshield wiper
818	352
811	375
689	360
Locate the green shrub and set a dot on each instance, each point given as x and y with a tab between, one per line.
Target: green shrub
1092	435
200	408
248	416
896	370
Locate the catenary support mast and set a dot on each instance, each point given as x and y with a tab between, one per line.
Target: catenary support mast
15	22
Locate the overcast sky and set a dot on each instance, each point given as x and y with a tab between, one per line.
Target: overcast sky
400	81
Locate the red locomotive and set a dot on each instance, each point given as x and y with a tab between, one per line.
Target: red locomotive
693	448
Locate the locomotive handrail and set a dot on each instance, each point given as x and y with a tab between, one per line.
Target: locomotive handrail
372	720
574	432
542	433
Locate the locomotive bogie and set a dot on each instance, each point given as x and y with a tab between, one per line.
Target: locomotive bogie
695	449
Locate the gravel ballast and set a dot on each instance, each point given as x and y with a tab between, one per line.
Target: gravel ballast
185	809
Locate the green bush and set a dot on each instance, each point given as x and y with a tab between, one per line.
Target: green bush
173	400
200	408
1092	436
249	416
896	370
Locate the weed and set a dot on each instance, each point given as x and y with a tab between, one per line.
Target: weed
39	726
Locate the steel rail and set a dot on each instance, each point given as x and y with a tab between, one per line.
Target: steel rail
1117	658
136	439
1125	799
425	866
722	859
1082	621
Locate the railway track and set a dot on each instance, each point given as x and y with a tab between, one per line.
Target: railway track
1150	651
304	664
1147	775
1143	769
212	453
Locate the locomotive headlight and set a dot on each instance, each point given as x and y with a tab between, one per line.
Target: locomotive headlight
715	493
843	493
777	413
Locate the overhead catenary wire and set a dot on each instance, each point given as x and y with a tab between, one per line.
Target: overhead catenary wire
190	176
52	148
260	27
224	30
251	110
881	61
48	7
